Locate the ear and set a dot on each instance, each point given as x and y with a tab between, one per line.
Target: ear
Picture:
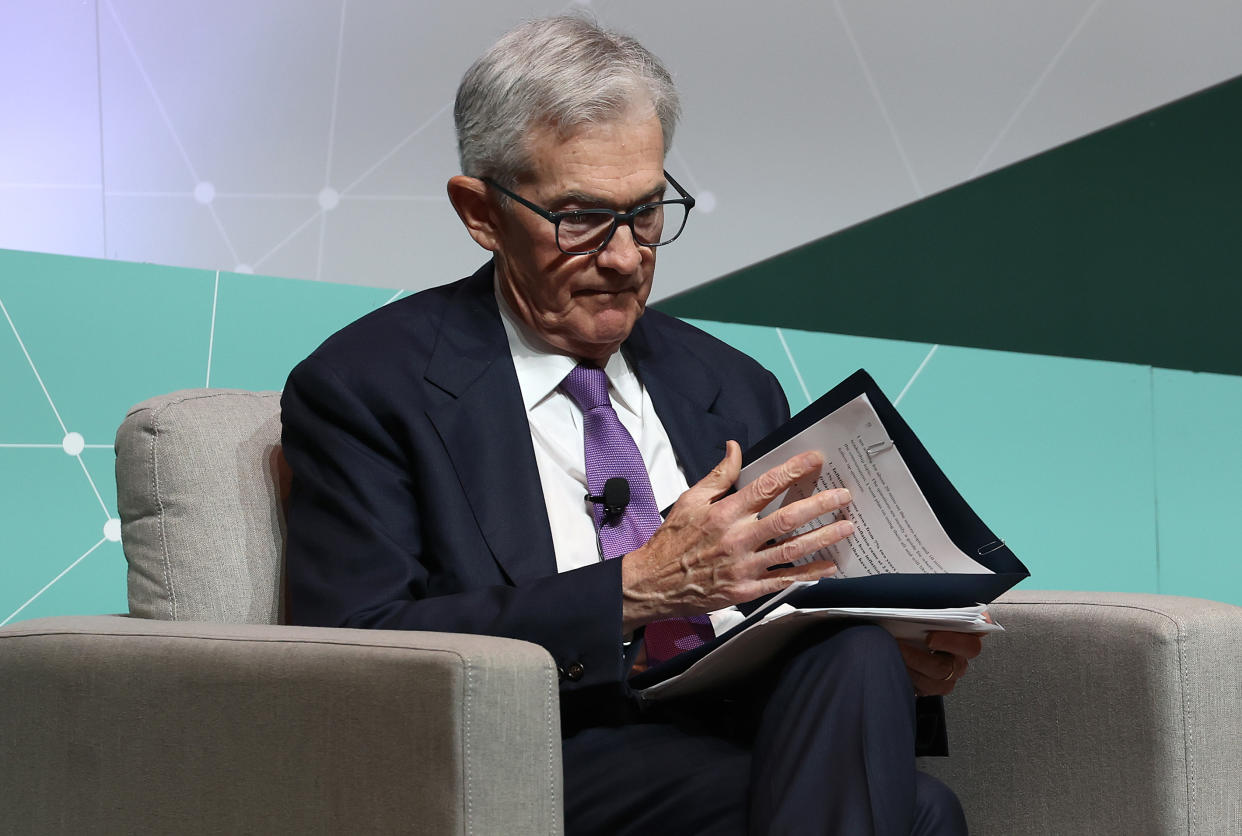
475	208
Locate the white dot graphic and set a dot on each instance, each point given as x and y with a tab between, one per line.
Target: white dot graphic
329	198
243	268
204	192
73	444
112	530
705	201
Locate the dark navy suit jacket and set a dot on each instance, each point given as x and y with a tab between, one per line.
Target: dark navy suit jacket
416	501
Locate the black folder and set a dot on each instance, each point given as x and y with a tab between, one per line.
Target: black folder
894	590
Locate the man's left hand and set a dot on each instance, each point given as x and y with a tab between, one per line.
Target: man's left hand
936	665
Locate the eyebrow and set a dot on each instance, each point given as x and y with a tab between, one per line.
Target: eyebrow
589	201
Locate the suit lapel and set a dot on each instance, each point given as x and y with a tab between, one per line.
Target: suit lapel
683	390
482	422
484	430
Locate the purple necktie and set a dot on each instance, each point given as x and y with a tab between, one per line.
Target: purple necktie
611	452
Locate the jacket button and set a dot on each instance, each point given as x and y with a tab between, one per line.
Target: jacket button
574	671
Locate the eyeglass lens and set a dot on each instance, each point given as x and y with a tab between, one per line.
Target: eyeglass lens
584	231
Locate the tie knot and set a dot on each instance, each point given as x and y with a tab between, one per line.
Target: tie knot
588	386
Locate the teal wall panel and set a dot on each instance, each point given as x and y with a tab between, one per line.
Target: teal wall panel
95	586
1199	483
1100	475
825	359
50	517
1054	453
103	335
265	326
809	363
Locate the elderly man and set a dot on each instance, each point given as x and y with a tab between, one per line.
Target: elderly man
450	455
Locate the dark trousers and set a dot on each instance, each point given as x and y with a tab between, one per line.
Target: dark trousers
821	743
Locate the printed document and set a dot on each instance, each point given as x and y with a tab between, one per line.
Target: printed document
895	530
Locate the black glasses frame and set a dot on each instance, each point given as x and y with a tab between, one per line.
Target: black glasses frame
617	217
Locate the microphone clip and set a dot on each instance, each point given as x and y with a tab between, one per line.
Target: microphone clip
615	498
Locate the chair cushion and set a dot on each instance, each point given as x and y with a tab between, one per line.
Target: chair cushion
200	482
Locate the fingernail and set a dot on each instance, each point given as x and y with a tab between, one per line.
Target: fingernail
843	496
845	527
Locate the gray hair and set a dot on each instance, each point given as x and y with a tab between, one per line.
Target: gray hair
560	71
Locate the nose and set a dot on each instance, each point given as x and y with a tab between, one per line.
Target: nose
622	254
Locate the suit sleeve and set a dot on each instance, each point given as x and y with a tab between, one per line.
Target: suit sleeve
377	537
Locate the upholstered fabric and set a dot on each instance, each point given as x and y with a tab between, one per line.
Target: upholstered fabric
1101	713
199	478
123	725
1094	713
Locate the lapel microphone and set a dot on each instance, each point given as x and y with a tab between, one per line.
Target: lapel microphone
616	497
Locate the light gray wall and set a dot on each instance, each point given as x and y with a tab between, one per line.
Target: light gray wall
204	134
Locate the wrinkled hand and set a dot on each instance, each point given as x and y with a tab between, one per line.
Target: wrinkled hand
713	552
937	665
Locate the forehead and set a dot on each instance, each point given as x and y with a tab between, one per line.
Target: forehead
615	162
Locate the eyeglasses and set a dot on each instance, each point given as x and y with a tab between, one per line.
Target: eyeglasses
586	231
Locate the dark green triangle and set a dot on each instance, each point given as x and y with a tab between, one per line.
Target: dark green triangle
1125	245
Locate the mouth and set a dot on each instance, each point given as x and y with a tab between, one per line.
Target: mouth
603	291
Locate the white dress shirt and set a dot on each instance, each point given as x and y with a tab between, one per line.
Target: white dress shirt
556	430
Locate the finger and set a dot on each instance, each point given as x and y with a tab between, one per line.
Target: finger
966	645
928	687
790	518
812	570
719	479
928	663
931	672
758	494
796	549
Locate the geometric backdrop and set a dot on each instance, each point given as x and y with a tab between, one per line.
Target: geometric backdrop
1098	475
312	140
1123	245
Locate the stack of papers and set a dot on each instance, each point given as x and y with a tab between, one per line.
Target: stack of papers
751	646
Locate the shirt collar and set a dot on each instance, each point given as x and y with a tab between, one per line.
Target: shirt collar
540	368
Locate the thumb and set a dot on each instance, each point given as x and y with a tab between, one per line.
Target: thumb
721	478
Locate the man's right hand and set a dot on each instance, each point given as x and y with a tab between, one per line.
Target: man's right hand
713	552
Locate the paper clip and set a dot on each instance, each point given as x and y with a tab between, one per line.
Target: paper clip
878	447
988	548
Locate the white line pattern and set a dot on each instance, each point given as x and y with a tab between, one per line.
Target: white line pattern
1030	95
780	334
82	464
57	446
38	377
50	583
879	100
211	337
98	495
916	374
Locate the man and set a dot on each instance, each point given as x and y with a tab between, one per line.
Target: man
442	447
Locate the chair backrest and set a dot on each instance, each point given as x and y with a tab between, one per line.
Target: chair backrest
200	490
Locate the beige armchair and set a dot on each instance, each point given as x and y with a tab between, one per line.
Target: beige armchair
199	714
1093	713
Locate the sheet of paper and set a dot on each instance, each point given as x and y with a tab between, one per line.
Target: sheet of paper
895	529
752	647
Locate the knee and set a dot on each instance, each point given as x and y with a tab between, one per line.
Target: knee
860	647
936	808
859	658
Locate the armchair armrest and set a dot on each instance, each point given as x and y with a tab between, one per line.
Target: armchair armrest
1101	713
112	724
